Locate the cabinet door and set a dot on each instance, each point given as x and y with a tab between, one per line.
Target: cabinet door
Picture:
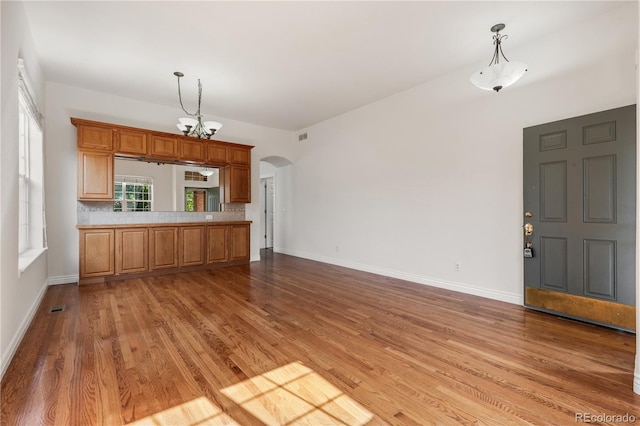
239	155
216	153
192	150
237	184
130	142
96	252
94	137
191	245
161	146
132	250
95	175
217	243
163	247
239	242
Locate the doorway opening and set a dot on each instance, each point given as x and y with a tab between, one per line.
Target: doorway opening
268	200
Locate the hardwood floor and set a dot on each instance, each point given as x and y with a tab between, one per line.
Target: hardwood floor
291	341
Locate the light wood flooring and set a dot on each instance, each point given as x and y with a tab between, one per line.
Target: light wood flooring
292	341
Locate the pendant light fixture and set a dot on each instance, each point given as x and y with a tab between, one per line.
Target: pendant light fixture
499	73
206	172
194	126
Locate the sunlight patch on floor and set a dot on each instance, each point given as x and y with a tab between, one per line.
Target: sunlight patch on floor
197	412
296	395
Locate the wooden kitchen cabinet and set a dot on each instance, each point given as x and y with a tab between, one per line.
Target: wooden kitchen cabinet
95	175
239	155
111	252
239	242
163	247
131	143
97	254
99	143
192	244
217	153
95	137
193	150
163	147
237	184
132	250
218	243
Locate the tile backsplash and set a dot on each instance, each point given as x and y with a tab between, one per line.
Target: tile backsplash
101	213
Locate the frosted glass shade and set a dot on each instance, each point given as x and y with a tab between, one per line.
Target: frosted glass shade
206	172
212	125
188	121
497	76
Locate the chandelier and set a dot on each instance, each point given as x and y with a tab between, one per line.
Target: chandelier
194	126
498	74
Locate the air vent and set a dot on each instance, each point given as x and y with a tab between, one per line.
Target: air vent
56	309
302	137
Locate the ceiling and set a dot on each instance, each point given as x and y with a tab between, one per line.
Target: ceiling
285	65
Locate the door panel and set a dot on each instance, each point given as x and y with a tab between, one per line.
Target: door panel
600	268
599	183
579	186
553	263
553	191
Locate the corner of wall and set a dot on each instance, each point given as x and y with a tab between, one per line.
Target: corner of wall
11	349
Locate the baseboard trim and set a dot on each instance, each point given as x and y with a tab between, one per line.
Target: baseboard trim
636	375
7	356
502	296
63	279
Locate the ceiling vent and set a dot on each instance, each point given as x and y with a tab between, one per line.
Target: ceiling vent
302	137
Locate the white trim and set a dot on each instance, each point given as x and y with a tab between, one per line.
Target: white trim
7	356
28	257
255	258
502	296
63	279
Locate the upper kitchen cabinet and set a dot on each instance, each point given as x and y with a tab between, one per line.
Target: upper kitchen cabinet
94	136
130	142
99	143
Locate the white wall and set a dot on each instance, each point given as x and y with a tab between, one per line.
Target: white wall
414	183
66	101
19	294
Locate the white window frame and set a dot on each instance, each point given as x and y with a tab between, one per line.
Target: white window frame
32	240
24	243
136	181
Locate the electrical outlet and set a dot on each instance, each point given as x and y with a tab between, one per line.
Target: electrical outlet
457	266
208	216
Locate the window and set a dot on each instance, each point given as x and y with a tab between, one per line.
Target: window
23	178
133	194
202	199
31	217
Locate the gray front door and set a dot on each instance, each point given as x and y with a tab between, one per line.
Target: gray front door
579	197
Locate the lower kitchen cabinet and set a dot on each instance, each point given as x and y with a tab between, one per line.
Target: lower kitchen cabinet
109	252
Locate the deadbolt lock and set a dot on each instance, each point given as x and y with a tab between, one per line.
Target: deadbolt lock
528	229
